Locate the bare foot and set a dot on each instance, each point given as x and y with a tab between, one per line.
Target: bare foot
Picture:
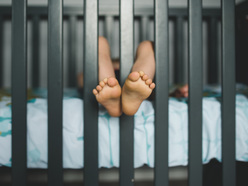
137	88
108	94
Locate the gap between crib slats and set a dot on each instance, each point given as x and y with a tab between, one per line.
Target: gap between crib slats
35	52
179	62
72	51
144	28
90	103
108	32
161	93
195	93
19	92
228	93
126	122
55	92
213	50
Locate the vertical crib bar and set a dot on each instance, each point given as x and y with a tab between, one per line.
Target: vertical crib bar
195	92
55	92
19	92
228	93
161	94
35	53
126	122
72	51
212	51
179	65
90	104
1	51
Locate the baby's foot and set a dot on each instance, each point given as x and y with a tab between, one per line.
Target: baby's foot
108	94
137	88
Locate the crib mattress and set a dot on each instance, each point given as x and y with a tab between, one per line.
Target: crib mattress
73	130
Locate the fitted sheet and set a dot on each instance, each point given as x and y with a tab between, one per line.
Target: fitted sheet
73	139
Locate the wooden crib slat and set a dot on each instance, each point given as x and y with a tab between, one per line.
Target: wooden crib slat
161	92
1	51
90	103
35	52
55	92
213	50
179	45
195	92
228	93
72	51
126	122
19	92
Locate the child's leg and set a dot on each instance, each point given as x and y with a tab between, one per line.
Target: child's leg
108	91
138	86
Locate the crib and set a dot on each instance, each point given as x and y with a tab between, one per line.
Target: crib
126	14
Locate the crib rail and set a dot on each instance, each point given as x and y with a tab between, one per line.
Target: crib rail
91	80
19	93
195	92
162	86
55	87
126	122
228	93
55	93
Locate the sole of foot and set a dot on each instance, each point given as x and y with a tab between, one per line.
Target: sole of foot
137	87
108	94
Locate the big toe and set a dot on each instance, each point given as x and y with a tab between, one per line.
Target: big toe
134	76
112	82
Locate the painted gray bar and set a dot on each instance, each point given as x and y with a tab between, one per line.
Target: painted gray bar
90	103
72	51
19	92
126	62
55	93
1	51
213	51
35	53
179	45
144	28
228	93
195	92
114	11
162	92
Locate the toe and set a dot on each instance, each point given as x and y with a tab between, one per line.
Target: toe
134	76
112	82
95	92
98	88
152	86
141	73
105	80
145	77
148	82
102	84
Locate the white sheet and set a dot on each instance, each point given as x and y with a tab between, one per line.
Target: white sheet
109	133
